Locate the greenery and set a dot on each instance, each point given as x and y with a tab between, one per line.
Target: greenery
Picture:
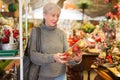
118	44
1	15
84	4
12	7
107	25
88	27
4	63
29	25
118	0
2	72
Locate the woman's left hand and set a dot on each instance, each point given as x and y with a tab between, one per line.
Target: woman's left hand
78	57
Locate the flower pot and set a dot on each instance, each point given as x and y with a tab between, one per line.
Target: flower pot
9	46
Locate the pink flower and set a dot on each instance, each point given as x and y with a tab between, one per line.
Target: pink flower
109	15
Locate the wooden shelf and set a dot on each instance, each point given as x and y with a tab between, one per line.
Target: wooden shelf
8	14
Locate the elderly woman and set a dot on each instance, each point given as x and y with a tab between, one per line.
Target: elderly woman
53	45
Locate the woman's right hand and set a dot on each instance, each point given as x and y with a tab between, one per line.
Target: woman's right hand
60	58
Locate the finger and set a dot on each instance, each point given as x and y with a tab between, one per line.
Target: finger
63	61
60	54
62	57
79	54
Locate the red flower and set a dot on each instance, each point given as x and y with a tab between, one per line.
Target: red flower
15	33
116	6
66	56
109	15
6	33
5	40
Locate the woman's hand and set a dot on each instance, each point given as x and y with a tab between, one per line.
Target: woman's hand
77	57
60	58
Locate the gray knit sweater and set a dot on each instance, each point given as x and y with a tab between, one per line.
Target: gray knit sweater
53	40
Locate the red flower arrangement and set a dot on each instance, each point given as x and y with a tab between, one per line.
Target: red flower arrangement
6	33
115	13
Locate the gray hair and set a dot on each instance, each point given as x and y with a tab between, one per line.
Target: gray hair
51	7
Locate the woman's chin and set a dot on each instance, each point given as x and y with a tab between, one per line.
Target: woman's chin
53	24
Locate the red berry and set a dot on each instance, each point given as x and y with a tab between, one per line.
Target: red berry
66	56
98	39
75	48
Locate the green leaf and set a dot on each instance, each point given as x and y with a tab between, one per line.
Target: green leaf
3	64
84	4
1	15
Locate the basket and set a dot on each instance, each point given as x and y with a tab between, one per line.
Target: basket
9	46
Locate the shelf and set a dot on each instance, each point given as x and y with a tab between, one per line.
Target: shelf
4	58
20	55
8	14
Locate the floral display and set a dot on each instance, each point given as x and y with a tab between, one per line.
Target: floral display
109	28
109	54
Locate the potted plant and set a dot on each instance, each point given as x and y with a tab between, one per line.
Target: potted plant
9	38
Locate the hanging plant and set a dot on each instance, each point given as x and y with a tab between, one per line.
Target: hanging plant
12	7
84	4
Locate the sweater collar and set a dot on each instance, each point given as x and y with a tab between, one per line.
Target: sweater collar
43	26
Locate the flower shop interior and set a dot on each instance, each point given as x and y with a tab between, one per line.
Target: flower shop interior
92	25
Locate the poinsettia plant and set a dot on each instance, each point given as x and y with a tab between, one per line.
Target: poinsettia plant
6	32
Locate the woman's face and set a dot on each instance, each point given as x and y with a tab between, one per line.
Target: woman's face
51	18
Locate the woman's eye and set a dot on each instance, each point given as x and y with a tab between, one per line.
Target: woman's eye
55	15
